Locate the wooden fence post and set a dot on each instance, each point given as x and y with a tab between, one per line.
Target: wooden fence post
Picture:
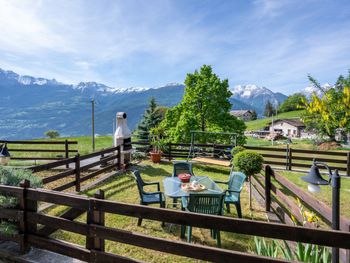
348	164
26	205
268	187
66	149
119	166
77	173
290	157
169	153
96	217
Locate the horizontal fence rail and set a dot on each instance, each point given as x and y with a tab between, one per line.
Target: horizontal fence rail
287	158
74	167
14	147
96	232
281	196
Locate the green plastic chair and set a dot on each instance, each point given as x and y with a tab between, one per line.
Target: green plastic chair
182	167
211	204
147	198
234	187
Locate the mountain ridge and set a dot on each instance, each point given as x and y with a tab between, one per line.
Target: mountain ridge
31	106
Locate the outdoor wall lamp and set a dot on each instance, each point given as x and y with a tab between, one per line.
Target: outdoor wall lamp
314	180
4	154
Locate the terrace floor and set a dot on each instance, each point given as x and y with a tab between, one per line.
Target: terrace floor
123	188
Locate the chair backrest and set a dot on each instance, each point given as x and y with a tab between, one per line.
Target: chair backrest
206	203
182	167
236	181
140	182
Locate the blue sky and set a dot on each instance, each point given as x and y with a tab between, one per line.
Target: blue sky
271	43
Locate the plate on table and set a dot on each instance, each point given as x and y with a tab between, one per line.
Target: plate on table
188	187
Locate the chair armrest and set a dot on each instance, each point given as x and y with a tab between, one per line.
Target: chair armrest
152	183
232	191
221	182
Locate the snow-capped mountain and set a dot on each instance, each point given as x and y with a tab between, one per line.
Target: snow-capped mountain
256	96
26	80
308	91
30	106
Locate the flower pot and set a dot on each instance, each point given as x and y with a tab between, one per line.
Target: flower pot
155	157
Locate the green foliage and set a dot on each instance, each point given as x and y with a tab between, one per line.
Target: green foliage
269	109
236	150
331	111
204	107
248	162
52	134
8	228
292	103
266	248
12	176
254	115
152	116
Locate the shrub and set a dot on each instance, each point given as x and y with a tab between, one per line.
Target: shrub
248	162
236	150
13	177
52	134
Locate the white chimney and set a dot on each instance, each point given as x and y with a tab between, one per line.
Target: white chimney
122	137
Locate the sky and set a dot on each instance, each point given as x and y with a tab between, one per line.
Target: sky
149	43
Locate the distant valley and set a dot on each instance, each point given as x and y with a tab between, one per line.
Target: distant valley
30	106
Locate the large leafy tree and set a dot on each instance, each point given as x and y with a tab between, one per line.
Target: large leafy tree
152	116
293	102
331	111
204	107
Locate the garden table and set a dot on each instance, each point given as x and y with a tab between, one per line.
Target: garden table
172	186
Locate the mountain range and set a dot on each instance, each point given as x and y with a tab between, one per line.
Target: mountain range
30	106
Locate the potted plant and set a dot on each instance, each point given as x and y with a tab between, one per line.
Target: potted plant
158	146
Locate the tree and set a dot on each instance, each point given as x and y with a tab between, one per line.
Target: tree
52	134
330	112
293	102
205	107
254	115
269	109
152	116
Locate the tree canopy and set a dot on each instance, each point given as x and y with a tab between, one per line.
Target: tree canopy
293	102
152	116
331	111
205	107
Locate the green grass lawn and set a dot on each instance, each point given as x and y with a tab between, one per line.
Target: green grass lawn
261	123
124	189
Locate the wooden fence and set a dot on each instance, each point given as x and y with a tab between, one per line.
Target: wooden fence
280	196
109	159
96	232
287	158
62	150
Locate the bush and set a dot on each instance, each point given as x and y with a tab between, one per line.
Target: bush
236	150
248	162
52	134
13	177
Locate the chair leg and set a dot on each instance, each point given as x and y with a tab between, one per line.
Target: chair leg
239	210
139	221
218	238
228	207
162	205
175	202
189	234
183	230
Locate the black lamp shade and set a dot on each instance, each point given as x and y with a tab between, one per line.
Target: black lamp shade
314	176
4	152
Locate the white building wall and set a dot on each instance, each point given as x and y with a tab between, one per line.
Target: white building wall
285	127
